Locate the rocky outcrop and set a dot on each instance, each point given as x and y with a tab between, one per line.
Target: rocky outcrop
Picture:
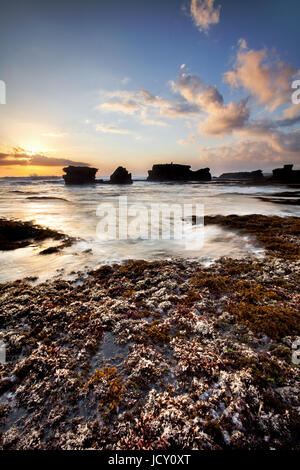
176	172
201	175
79	175
286	175
121	176
256	175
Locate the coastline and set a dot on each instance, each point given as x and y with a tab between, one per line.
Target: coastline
155	355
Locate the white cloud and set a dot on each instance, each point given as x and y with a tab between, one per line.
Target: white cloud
125	80
54	134
111	129
120	105
204	14
143	102
242	44
190	140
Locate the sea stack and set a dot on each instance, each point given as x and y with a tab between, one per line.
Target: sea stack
79	175
121	176
256	175
176	172
286	175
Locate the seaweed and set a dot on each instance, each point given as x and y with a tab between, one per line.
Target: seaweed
112	381
275	321
136	268
214	283
157	332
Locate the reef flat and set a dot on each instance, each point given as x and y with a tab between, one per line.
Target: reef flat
158	355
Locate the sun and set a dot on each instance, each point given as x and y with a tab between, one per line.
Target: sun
31	150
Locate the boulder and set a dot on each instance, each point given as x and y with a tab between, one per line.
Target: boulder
79	175
177	172
121	176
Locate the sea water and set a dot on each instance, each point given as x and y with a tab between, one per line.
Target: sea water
73	210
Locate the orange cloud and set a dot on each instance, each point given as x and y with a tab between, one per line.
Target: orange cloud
20	157
268	79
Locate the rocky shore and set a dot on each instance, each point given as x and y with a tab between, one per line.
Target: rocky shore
16	234
158	355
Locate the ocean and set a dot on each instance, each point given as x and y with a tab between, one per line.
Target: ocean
73	210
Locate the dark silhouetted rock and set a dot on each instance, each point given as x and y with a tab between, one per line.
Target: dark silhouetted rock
176	172
256	175
79	175
120	176
286	175
201	175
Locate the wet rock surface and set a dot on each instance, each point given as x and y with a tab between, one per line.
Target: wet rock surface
17	234
153	355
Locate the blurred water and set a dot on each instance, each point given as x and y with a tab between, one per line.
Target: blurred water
72	210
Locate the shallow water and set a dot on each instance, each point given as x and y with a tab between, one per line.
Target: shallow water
72	210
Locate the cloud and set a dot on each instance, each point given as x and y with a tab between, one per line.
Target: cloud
143	102
204	14
265	76
190	140
242	44
54	134
279	141
206	109
155	122
221	119
111	129
125	80
19	157
42	160
195	91
245	155
292	111
120	105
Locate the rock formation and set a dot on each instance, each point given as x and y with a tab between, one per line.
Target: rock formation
121	176
79	175
256	175
286	175
176	172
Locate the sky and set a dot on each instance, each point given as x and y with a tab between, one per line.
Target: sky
134	83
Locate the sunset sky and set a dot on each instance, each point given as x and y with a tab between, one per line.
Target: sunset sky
109	82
